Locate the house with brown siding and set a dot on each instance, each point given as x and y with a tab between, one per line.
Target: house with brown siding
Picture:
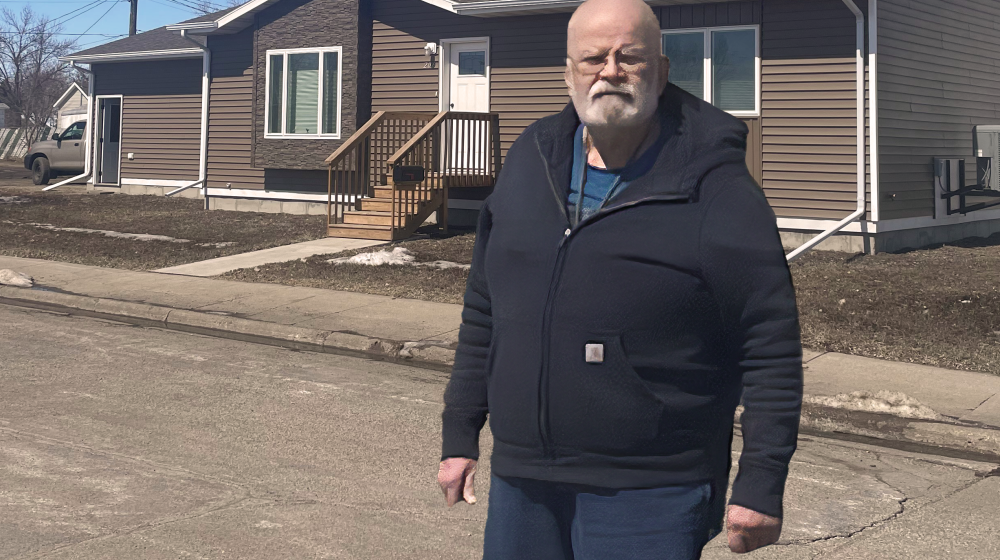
316	105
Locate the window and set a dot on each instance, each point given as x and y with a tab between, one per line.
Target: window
303	93
718	65
74	131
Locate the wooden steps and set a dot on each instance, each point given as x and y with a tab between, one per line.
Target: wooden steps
355	231
373	219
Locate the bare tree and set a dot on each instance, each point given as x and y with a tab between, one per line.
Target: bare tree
31	75
209	6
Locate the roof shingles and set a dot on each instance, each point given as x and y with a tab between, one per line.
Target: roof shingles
159	39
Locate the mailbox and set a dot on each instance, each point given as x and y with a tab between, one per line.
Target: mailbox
407	174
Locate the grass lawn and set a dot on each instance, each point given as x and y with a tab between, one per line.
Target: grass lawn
938	306
208	234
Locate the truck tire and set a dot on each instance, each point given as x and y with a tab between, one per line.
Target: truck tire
40	171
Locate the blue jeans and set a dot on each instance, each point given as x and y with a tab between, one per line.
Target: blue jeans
535	519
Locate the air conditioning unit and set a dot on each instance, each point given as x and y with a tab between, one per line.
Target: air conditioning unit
986	148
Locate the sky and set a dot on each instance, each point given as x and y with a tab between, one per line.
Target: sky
93	22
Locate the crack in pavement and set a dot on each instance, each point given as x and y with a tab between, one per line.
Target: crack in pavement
151	525
120	456
880	523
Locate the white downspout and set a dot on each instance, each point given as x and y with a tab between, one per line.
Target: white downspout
206	79
91	127
873	104
860	17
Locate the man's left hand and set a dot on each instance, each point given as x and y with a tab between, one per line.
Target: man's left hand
749	530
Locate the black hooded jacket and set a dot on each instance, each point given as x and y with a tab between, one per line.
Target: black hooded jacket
680	280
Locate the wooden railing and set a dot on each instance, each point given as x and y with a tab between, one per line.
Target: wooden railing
359	164
456	149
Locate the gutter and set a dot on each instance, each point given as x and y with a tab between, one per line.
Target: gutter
91	127
206	80
860	211
138	55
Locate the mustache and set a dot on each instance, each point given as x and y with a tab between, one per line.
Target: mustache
605	88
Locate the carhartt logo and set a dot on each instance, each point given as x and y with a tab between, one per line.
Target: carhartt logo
594	353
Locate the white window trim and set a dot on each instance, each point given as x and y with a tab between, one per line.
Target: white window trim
284	92
708	77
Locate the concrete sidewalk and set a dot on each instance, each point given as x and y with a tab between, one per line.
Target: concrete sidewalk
285	253
965	405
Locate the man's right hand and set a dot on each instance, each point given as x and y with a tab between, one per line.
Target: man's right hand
456	475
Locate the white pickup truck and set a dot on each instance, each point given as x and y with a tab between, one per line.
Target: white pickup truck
62	155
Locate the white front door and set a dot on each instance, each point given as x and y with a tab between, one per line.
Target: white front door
468	91
469	77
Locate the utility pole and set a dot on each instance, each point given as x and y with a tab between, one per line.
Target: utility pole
132	16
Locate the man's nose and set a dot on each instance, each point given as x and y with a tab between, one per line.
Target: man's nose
612	70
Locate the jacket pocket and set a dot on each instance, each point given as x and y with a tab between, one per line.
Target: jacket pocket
599	406
512	387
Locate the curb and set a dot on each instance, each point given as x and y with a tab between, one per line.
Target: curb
425	354
948	438
953	438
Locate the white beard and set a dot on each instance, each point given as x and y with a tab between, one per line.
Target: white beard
615	111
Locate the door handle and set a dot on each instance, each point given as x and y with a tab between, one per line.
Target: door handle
76	143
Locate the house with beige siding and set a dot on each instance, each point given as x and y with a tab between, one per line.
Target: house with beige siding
380	113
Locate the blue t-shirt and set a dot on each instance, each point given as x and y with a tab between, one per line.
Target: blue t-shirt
603	184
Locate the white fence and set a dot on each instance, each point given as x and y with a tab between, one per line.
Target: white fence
14	143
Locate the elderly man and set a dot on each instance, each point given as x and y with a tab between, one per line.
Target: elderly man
628	287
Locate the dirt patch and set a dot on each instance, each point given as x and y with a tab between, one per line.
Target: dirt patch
938	306
48	226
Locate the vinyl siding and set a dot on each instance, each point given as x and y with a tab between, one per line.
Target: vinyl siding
527	59
809	108
231	106
938	78
161	116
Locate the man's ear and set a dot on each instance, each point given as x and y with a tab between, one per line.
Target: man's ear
664	71
568	75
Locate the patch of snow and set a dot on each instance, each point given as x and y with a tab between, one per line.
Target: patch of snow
120	235
398	256
14	200
10	278
883	402
117	234
443	265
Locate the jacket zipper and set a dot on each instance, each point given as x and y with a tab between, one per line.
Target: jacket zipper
543	378
544	429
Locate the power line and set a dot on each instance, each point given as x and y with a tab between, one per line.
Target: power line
99	19
175	6
61	34
85	9
89	43
189	5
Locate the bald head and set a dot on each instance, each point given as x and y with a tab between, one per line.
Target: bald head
633	18
615	69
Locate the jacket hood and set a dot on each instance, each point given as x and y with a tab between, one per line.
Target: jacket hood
701	138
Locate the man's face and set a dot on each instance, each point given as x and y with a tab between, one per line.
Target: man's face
614	71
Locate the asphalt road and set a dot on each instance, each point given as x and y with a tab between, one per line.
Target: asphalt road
122	442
